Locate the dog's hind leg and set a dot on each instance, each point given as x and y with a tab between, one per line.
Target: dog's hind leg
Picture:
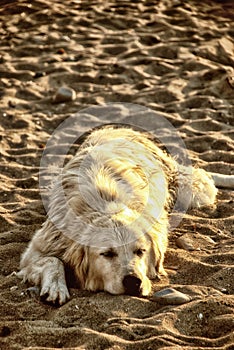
196	188
222	180
204	191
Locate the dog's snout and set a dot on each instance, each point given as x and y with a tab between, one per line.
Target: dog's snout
132	285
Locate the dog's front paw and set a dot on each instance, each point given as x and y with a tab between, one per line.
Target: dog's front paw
55	292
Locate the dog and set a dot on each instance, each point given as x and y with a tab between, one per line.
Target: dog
108	216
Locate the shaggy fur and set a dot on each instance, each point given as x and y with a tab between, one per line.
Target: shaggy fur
108	216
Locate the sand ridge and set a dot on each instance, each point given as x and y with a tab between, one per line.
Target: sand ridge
175	57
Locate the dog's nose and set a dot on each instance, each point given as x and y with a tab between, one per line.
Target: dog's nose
132	285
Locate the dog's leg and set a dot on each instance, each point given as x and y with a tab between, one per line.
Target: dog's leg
221	180
203	189
42	270
49	274
197	188
53	282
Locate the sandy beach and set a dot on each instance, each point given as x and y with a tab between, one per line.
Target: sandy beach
174	57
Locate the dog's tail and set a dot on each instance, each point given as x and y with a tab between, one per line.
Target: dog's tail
221	180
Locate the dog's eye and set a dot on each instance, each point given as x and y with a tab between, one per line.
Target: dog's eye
139	252
109	254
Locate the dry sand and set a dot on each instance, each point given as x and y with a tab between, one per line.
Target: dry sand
172	56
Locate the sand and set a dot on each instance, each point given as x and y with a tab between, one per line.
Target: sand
175	57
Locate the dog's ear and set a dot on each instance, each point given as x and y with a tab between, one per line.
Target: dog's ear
155	259
152	261
77	257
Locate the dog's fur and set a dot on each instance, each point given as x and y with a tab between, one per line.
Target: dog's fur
108	216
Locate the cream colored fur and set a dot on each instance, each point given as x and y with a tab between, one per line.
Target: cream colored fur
108	216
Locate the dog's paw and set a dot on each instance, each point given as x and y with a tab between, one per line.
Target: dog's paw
55	292
33	292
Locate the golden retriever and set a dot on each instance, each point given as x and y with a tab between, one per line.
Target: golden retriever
108	216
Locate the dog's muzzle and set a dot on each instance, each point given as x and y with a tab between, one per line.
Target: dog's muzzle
132	285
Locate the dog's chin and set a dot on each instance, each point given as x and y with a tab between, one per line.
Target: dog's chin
135	293
123	292
142	292
114	291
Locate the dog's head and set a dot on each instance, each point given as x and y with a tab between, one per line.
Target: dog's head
120	266
120	269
